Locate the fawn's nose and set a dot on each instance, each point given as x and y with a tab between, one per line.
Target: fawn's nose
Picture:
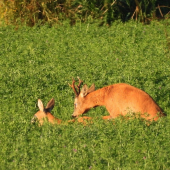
33	120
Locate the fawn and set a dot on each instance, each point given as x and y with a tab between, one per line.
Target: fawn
45	113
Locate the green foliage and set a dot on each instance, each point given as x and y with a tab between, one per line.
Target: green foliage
39	62
32	12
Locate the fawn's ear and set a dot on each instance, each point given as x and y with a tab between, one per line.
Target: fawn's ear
50	105
40	105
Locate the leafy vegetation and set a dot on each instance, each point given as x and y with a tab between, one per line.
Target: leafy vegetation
34	12
39	62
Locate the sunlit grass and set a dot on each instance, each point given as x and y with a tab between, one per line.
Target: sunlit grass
40	62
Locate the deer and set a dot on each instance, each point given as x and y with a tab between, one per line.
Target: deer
45	113
119	99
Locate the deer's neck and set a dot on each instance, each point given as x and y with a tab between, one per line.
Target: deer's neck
95	98
53	119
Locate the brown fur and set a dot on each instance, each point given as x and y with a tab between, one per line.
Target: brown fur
119	99
44	113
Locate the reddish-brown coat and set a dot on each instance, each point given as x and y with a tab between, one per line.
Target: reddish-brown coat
44	113
119	99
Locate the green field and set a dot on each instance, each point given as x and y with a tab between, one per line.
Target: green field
39	62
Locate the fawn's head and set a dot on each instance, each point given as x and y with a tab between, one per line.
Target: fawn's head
43	112
80	103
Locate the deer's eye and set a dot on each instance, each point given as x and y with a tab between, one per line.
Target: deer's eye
75	105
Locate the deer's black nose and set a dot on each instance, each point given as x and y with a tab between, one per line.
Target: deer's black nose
73	116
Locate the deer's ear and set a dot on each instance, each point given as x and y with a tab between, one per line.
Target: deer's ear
40	105
50	105
84	91
91	89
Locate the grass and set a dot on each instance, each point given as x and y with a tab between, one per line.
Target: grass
39	62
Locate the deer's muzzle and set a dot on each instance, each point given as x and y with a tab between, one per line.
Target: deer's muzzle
73	116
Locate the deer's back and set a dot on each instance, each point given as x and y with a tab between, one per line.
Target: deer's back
123	98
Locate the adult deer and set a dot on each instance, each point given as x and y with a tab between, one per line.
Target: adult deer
45	113
119	99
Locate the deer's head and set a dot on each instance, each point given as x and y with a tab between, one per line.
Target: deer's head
44	112
81	104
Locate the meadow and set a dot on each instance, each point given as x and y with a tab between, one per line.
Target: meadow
39	62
